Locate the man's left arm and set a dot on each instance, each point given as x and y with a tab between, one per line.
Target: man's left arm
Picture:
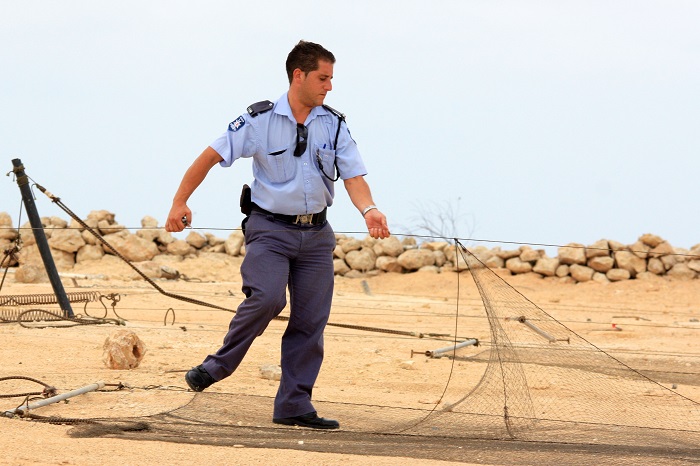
361	197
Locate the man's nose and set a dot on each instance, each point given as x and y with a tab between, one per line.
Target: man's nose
328	86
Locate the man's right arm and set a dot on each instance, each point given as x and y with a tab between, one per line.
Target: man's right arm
192	179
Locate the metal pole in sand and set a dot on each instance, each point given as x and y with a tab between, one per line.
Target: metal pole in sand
55	399
439	352
40	236
539	331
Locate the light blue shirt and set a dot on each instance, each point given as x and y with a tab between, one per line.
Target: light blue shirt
285	184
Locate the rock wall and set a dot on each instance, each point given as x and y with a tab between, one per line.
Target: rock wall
603	261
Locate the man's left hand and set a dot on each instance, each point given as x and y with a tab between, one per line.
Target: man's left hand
376	224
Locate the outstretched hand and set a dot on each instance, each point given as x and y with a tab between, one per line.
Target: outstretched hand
177	214
376	224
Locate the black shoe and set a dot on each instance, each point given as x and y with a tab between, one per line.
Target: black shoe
307	420
198	378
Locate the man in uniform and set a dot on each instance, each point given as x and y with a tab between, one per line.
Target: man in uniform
297	145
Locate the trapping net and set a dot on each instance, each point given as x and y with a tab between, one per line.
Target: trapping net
535	381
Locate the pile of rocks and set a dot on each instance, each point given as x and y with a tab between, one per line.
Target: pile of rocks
603	261
72	243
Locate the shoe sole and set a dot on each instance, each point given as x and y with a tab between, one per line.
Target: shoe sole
285	422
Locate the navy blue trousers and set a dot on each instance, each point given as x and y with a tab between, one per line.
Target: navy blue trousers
281	255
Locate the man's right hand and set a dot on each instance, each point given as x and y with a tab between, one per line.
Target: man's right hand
177	214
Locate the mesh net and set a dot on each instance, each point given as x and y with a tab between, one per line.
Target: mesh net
537	386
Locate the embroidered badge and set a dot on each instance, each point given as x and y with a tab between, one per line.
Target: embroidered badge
236	124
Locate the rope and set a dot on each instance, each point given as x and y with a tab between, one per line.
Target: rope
198	302
47	392
24	318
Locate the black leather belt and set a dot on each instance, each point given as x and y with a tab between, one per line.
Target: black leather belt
302	219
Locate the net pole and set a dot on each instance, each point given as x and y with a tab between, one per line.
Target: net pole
56	399
441	351
40	236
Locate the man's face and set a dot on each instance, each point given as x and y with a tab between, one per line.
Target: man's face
316	84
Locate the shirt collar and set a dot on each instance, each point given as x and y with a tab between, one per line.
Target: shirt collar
282	108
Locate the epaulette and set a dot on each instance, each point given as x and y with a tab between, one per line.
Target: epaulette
260	107
335	112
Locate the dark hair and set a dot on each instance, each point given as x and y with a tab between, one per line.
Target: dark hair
305	56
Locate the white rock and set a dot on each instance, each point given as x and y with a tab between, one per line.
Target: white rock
351	244
600	248
123	350
338	252
414	259
681	272
180	247
517	266
628	261
601	263
66	240
562	271
527	254
196	240
572	253
390	246
616	275
651	240
149	222
389	264
271	372
362	260
581	273
408	365
234	243
89	252
132	247
546	266
655	266
340	267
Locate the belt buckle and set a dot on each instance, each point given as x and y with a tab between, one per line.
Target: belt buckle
305	219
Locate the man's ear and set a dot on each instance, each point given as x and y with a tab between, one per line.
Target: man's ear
297	74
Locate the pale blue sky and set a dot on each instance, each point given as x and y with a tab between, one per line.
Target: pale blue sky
540	121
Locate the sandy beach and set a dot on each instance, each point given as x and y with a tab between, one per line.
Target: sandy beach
651	318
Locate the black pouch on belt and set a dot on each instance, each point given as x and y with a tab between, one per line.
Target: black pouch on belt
246	202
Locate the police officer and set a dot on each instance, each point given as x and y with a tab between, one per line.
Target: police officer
299	149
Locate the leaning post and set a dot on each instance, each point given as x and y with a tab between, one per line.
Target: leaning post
40	236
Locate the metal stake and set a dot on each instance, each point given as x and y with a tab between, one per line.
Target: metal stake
440	352
539	331
55	399
40	236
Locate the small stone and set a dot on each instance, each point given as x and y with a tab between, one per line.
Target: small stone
408	365
30	273
123	350
271	372
169	273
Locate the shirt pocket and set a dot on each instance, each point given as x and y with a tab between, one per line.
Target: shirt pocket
278	165
326	159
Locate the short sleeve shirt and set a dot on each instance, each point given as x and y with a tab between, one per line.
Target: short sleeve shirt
283	183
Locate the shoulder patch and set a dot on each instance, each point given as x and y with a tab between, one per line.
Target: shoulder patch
260	107
236	124
335	112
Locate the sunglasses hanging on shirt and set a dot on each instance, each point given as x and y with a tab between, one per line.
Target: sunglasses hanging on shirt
302	142
302	138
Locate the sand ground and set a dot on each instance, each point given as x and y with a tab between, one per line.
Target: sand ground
657	317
